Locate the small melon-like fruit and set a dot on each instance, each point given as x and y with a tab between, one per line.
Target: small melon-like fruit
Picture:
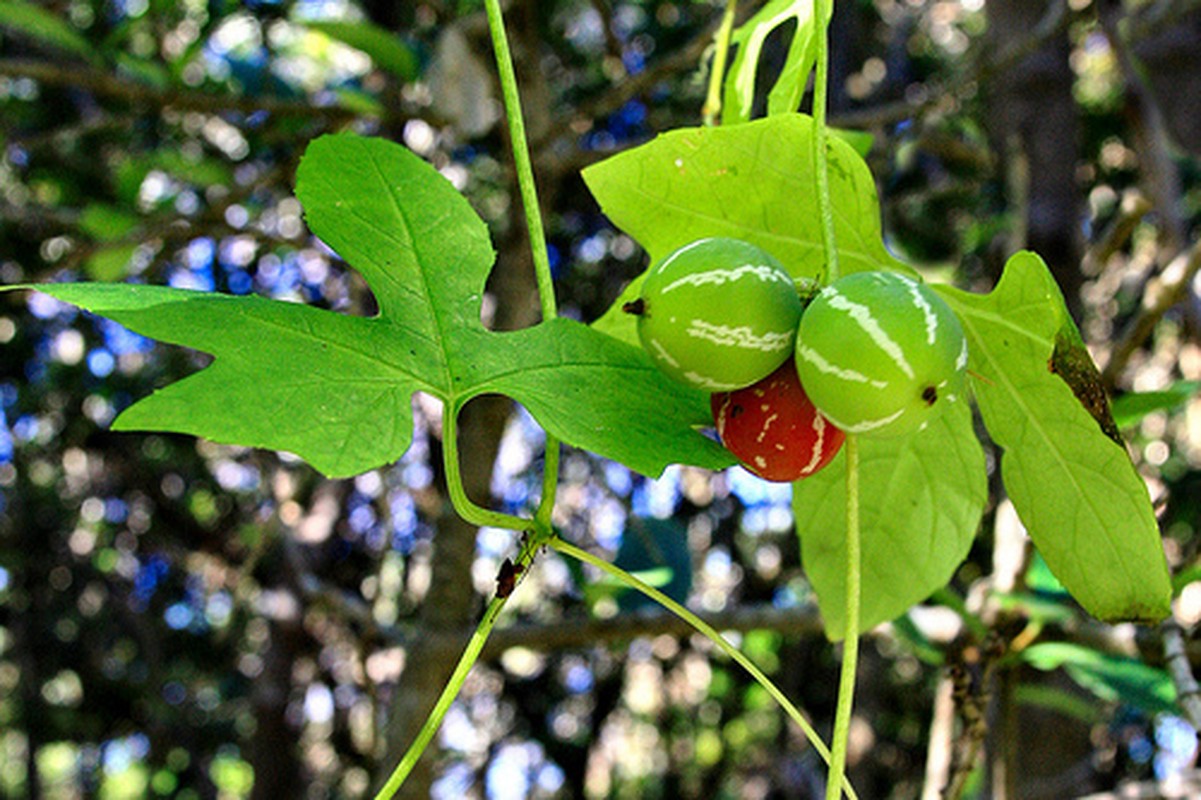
774	429
880	353
718	314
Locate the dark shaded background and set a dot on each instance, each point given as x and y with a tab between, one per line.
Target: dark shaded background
181	619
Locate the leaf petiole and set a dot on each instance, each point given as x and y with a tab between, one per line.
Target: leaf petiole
463	505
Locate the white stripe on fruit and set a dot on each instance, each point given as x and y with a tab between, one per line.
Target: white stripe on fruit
741	337
862	315
815	358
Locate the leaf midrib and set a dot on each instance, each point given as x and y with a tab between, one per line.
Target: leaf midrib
443	336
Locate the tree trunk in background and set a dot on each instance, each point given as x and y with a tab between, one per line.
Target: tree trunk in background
1170	65
1032	113
1034	127
26	627
274	754
450	604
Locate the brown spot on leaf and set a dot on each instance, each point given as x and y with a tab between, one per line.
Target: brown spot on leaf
1071	362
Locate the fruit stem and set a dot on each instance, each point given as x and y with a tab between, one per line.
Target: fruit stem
568	549
717	73
821	168
850	641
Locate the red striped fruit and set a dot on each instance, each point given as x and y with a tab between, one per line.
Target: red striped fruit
774	429
880	353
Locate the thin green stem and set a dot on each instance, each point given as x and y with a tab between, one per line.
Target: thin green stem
521	158
821	168
477	515
717	73
523	164
471	654
831	272
850	642
568	549
463	505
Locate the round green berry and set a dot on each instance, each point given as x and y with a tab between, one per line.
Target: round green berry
718	314
880	353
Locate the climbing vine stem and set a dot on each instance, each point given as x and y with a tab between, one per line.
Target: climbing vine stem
821	168
464	506
717	71
471	654
707	630
523	165
850	642
824	10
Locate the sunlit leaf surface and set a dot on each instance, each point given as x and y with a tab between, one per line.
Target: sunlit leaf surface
920	504
1074	488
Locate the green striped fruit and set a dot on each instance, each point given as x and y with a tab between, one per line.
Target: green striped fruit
718	314
880	353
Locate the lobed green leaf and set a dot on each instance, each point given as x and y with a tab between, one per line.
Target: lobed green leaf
786	93
920	506
337	390
1074	488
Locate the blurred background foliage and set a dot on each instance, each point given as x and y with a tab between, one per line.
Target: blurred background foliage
180	619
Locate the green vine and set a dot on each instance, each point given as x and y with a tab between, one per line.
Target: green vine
568	549
463	505
850	642
821	168
717	72
471	654
521	158
533	220
850	649
541	524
